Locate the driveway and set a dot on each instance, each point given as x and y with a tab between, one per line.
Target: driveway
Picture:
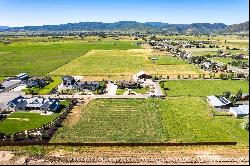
111	89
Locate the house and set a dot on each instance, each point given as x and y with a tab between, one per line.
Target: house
142	75
68	80
34	103
127	84
22	76
206	65
218	102
240	111
36	82
86	85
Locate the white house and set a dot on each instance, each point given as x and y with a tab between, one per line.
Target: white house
216	102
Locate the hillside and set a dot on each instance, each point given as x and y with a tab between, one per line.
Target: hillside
134	26
238	28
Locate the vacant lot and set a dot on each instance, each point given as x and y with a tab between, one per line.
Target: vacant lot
180	119
123	62
189	119
112	120
21	121
225	60
204	87
40	58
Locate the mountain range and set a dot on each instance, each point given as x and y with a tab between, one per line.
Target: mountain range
133	26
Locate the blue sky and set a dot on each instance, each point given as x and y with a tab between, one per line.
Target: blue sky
51	12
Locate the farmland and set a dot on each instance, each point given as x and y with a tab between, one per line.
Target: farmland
123	62
38	58
115	121
181	119
188	119
204	87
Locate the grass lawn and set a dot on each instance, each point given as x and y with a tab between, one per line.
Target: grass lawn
141	91
115	120
122	62
21	121
40	58
204	87
188	119
120	91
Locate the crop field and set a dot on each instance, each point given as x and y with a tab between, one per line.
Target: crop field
225	60
204	87
189	119
112	120
175	119
167	60
21	121
40	58
123	62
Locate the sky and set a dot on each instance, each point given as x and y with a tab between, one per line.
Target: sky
53	12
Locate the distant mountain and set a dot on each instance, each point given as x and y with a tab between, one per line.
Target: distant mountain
238	28
133	26
4	27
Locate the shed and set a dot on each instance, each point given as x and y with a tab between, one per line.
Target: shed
220	102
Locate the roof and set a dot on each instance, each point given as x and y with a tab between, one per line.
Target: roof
222	101
241	109
70	78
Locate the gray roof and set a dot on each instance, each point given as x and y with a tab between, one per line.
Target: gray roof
240	110
217	102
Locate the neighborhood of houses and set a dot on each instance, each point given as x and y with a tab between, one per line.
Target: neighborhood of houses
237	66
14	98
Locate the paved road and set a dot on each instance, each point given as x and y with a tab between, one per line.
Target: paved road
94	96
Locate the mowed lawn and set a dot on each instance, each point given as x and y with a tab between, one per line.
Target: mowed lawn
21	121
204	87
123	62
189	119
175	119
115	120
40	58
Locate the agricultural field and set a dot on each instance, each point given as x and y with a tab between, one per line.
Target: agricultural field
123	63
175	119
112	120
21	121
204	87
167	60
189	119
39	58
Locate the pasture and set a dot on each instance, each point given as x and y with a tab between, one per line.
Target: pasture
204	87
39	58
189	119
124	63
112	120
175	119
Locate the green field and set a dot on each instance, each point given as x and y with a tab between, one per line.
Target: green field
204	87
189	119
38	58
122	62
112	120
181	119
167	60
21	121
